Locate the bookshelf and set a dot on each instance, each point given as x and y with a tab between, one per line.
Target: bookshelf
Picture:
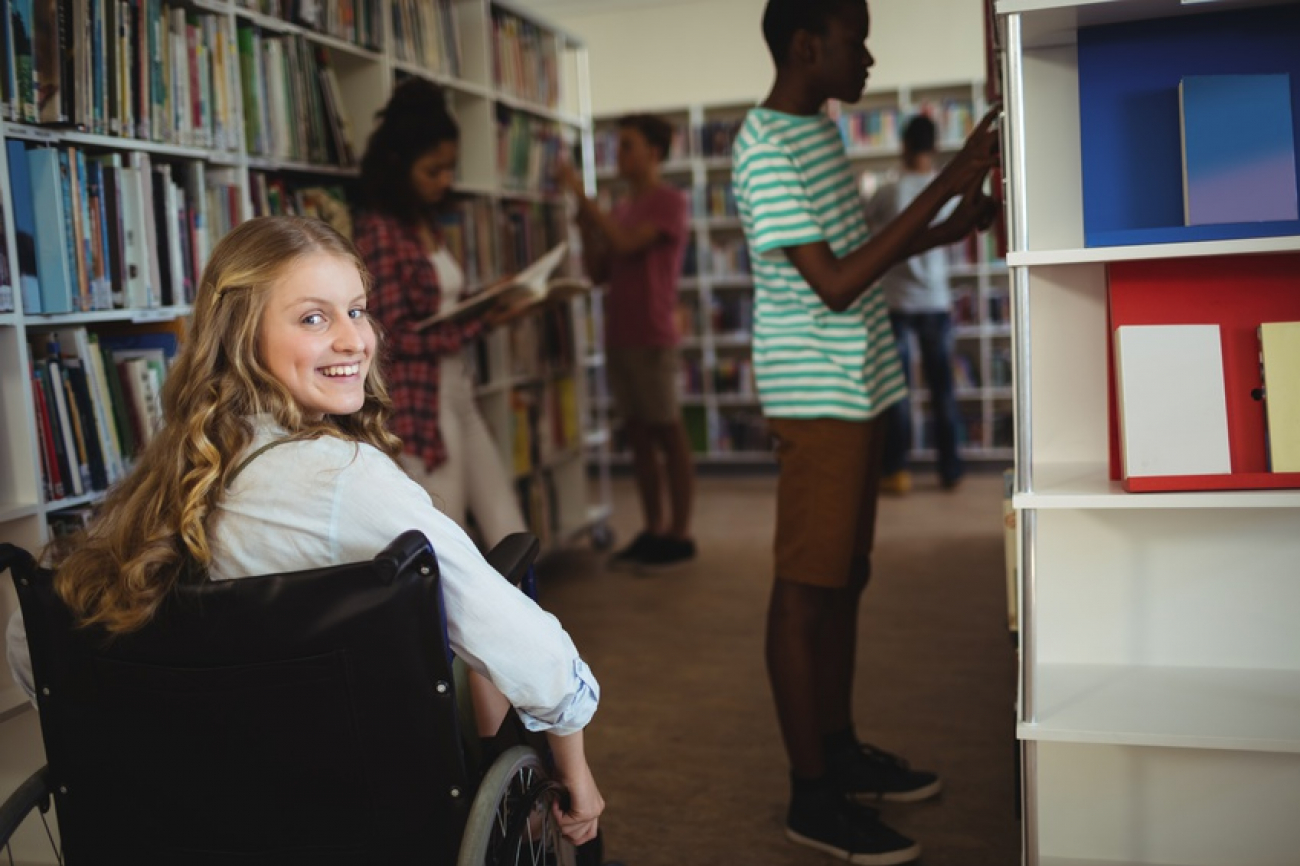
1159	706
719	403
211	118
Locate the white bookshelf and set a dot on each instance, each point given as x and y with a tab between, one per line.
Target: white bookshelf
366	76
713	407
1159	706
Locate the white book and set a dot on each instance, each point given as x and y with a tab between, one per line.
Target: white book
135	261
80	473
152	269
1173	415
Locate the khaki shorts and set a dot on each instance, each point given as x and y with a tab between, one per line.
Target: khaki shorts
643	383
826	497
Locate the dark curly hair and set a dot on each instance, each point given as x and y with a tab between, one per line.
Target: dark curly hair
414	122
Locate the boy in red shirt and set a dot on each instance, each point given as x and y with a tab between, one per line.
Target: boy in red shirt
637	250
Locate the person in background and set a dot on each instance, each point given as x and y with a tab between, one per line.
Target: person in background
406	177
637	249
919	300
275	456
826	367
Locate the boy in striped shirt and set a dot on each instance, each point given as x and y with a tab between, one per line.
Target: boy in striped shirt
826	367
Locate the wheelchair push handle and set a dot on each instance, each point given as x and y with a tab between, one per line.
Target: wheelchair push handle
513	556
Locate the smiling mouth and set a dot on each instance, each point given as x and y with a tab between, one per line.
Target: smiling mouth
341	371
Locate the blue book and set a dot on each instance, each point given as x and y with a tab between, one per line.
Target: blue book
20	187
1239	156
51	230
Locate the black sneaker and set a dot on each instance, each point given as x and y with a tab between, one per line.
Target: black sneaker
850	832
631	556
868	773
666	552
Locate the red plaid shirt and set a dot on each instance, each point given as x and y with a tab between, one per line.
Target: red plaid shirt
405	291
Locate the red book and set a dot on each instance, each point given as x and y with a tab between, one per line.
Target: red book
49	463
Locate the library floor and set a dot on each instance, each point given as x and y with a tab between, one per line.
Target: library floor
685	745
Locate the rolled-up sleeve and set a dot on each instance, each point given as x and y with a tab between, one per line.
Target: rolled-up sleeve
498	630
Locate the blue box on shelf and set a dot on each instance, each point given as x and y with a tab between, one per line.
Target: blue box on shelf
1128	104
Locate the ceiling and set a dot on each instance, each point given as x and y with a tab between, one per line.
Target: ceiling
553	7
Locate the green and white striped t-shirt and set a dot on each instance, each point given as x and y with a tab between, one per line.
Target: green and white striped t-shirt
794	187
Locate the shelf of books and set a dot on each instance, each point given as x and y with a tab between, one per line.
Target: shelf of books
163	125
715	304
1157	429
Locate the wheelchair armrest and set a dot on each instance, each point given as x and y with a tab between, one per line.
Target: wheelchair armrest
30	795
513	555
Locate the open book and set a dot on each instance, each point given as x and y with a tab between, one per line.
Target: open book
529	287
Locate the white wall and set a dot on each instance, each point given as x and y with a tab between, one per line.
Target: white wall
676	53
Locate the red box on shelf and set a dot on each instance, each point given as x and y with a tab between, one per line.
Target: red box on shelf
1237	293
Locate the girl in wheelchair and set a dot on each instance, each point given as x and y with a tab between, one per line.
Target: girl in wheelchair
274	456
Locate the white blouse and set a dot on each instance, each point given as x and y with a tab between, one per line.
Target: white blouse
327	502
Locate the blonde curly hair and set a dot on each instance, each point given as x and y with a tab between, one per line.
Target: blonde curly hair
152	529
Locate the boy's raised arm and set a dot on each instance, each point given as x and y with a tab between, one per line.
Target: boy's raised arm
840	281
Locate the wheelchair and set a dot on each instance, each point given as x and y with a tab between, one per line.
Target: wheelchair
301	718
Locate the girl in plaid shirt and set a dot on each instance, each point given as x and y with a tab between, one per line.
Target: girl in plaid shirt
406	175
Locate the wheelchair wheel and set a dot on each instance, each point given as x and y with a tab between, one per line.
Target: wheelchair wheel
31	797
510	821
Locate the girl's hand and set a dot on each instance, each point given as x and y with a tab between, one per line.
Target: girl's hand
506	312
580	821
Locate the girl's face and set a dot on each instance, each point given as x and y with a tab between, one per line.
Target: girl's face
433	172
316	337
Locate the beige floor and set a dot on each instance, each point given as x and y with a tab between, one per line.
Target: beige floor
685	745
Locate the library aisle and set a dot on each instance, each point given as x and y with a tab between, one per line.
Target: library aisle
685	745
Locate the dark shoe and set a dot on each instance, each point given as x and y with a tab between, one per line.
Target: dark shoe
666	552
850	832
631	556
868	773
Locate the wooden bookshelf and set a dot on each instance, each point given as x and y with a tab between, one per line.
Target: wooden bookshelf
720	405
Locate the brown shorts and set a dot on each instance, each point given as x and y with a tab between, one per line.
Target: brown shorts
643	383
826	497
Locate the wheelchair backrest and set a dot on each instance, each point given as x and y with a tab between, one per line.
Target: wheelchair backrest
295	718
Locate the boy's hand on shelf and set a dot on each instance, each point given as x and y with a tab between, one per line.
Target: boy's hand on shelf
569	179
981	153
975	211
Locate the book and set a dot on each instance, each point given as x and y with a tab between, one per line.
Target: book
528	287
1173	416
20	188
52	253
142	200
1238	149
22	21
45	432
77	349
1280	369
86	421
